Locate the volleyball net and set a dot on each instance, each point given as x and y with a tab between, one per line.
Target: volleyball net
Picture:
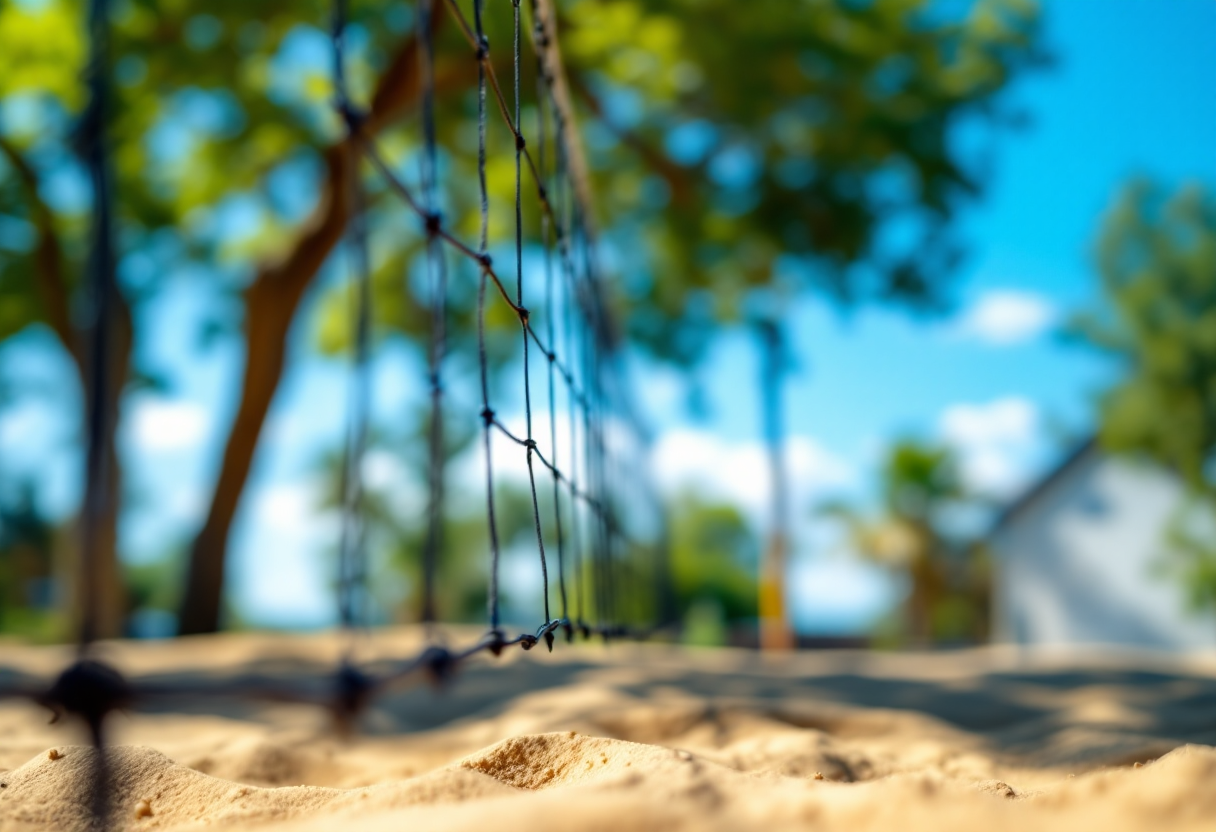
599	532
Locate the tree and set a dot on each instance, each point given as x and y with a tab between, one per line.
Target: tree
947	574
225	127
1156	257
37	279
715	556
802	147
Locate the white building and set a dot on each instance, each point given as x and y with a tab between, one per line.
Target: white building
1080	559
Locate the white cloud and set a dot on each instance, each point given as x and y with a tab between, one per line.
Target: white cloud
1005	316
23	425
289	507
997	442
162	425
839	595
1011	419
282	570
739	471
386	473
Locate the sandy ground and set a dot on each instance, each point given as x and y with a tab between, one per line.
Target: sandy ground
638	737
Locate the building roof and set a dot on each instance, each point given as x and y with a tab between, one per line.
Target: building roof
1031	495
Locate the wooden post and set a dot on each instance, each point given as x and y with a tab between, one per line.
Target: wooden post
775	632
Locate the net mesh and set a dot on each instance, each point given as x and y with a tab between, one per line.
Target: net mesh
582	365
602	574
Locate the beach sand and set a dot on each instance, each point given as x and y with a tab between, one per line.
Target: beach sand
634	737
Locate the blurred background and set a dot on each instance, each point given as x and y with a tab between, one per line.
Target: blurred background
954	261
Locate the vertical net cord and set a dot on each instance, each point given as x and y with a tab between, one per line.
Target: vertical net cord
542	116
437	279
93	146
546	89
529	441
591	466
595	383
563	243
487	414
101	276
352	574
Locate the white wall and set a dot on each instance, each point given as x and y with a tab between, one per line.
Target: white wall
1082	563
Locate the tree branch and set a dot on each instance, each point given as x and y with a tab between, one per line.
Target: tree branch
271	303
550	50
48	257
676	177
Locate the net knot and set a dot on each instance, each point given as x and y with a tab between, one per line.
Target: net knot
551	355
523	313
354	688
487	262
87	132
520	144
483	48
546	631
542	38
434	223
353	117
495	641
542	193
439	663
530	444
88	689
528	641
487	416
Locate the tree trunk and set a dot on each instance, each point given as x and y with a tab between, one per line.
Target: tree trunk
52	291
111	598
270	306
271	303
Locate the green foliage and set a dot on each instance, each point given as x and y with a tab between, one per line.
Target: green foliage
948	574
809	128
1157	261
728	138
918	479
27	584
1190	553
815	132
714	562
153	585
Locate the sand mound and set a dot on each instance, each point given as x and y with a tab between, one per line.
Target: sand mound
55	790
591	783
649	739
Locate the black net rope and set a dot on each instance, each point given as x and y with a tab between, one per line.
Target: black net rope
589	533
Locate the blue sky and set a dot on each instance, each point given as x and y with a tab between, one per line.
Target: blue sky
1131	94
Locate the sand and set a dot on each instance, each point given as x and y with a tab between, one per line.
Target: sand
637	737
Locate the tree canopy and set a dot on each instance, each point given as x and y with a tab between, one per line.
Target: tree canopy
736	149
1156	257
